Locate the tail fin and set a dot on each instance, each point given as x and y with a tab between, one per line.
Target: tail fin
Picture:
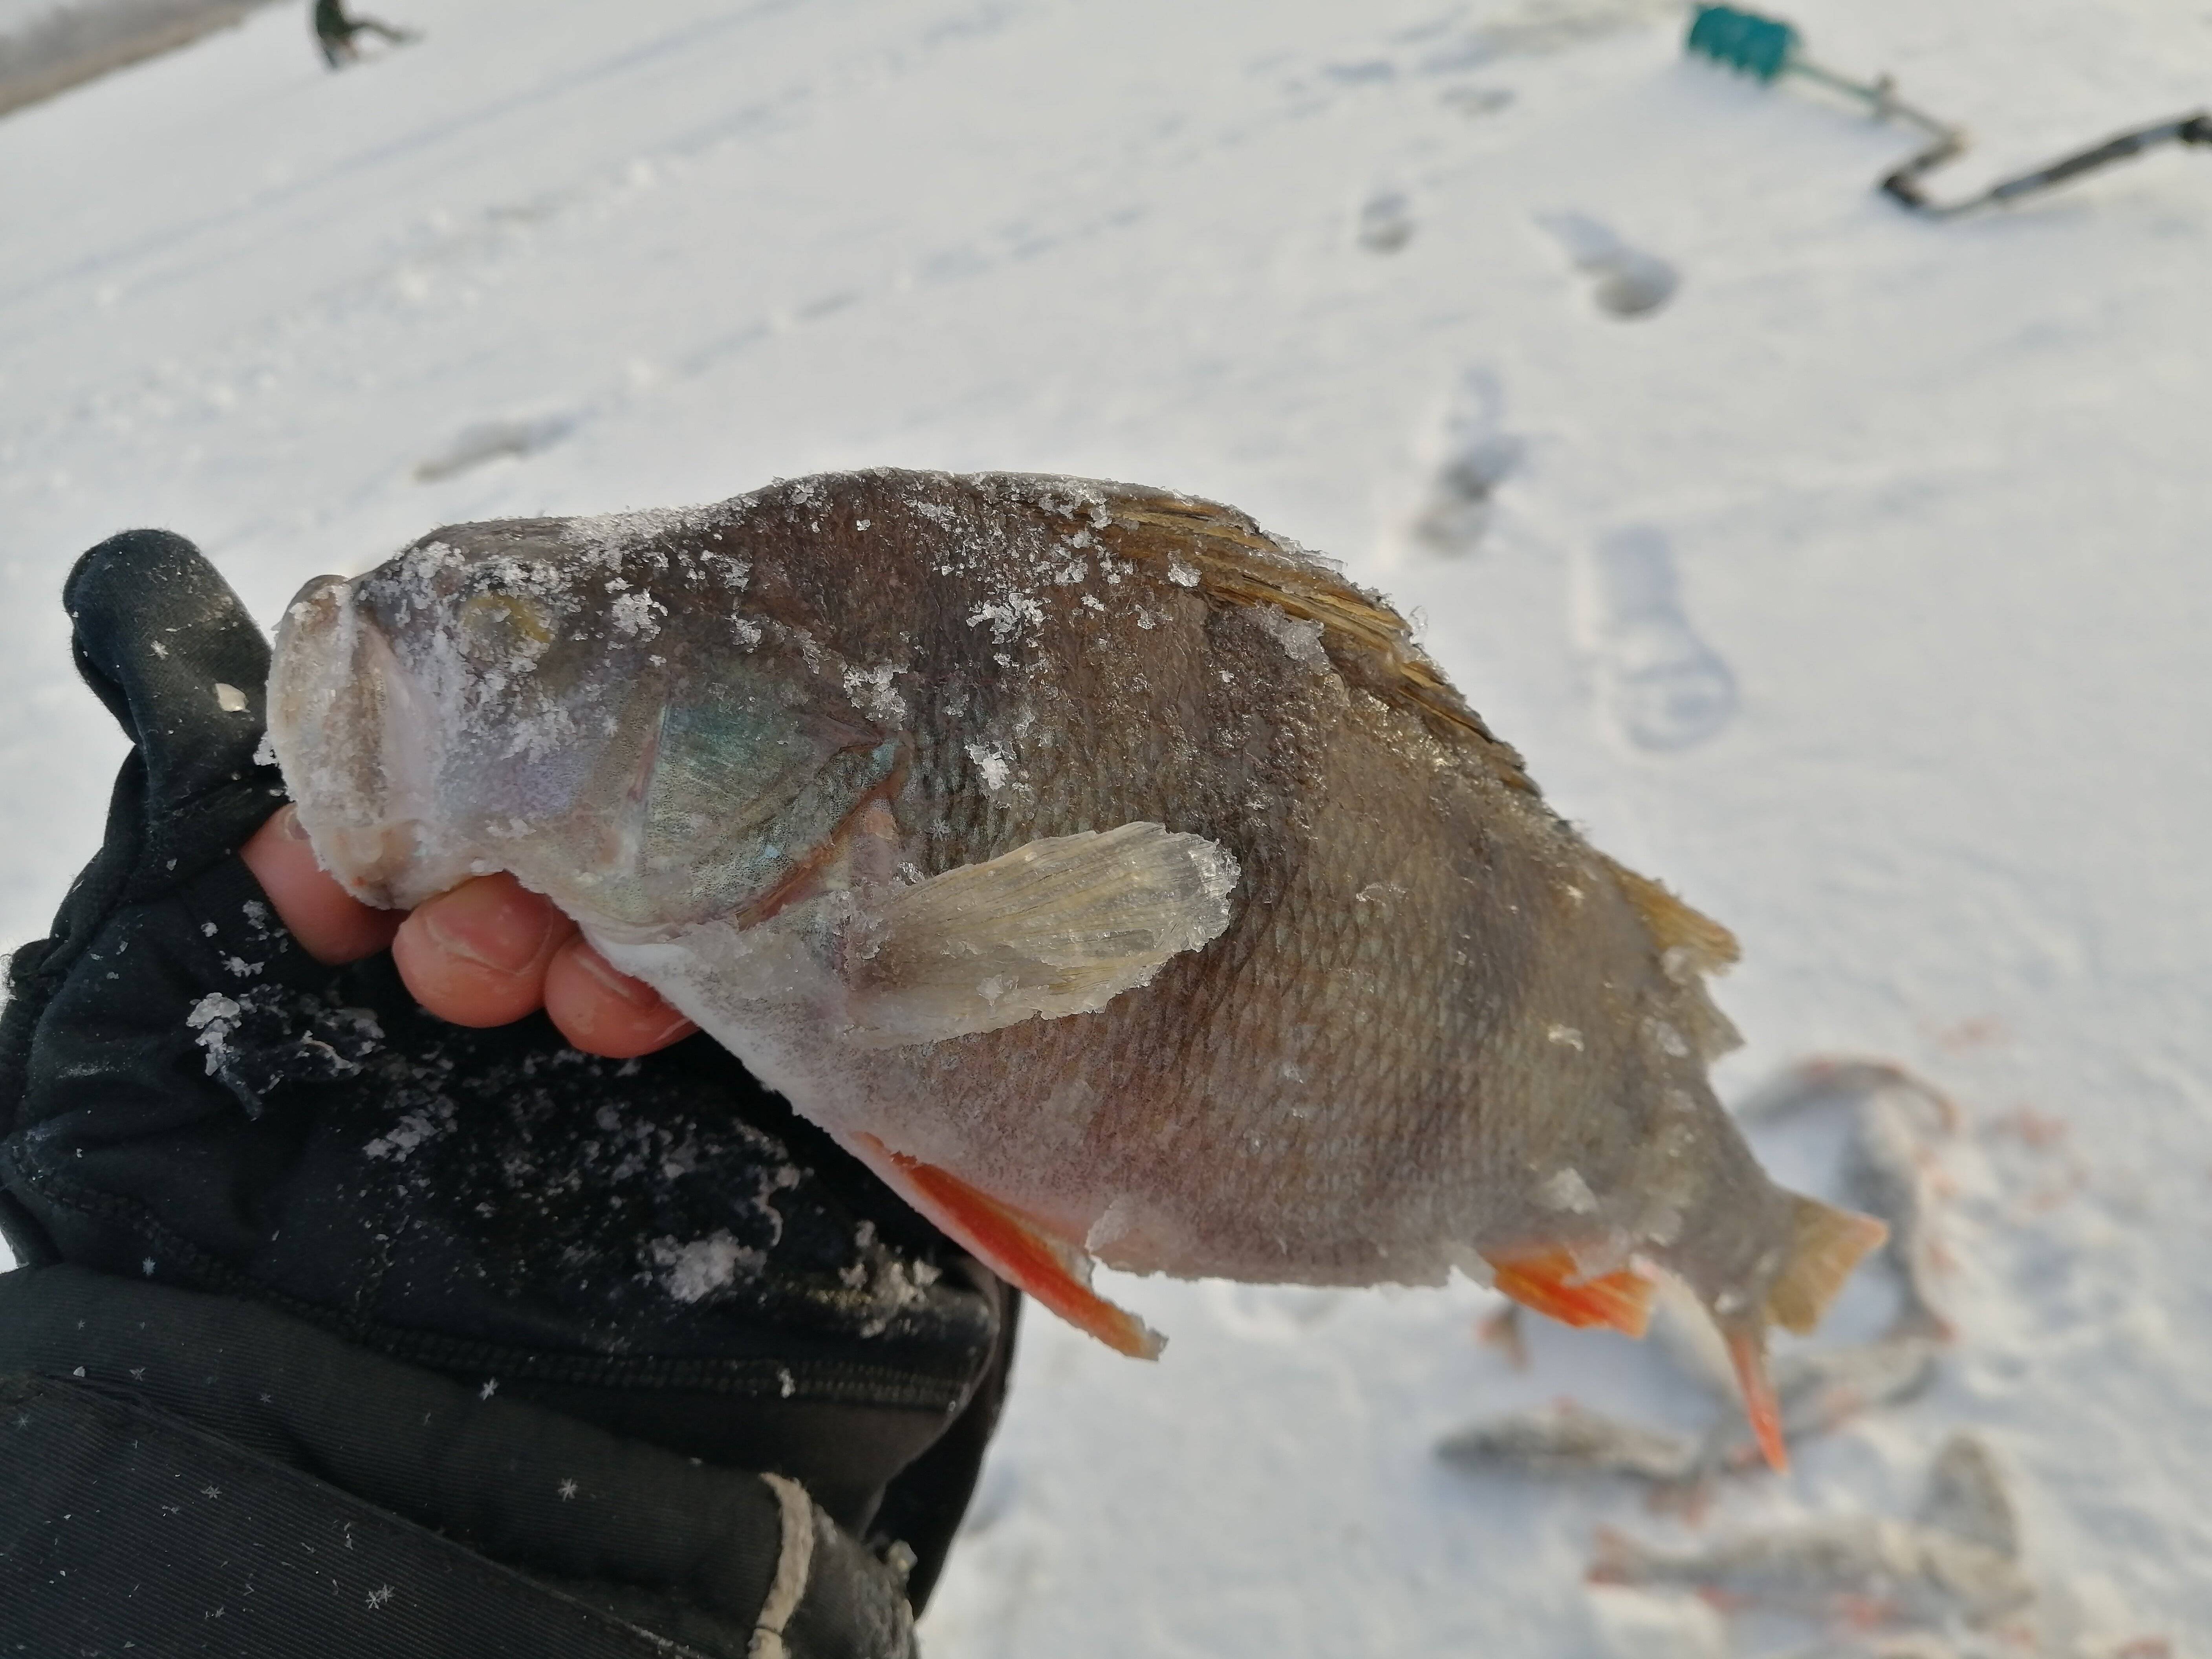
1825	1244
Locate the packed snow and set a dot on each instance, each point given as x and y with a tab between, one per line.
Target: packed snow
1845	570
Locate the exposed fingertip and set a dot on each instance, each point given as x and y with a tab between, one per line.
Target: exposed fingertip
329	923
478	954
604	1012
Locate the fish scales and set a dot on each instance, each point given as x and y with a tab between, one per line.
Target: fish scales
1421	1025
1161	671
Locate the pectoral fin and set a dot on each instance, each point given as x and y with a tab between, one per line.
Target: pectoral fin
1014	1246
1058	927
1549	1282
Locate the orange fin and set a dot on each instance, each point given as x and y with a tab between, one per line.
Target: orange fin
1747	1349
1549	1282
1012	1246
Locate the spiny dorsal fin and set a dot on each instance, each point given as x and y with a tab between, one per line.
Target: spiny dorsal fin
1706	946
1825	1244
1238	564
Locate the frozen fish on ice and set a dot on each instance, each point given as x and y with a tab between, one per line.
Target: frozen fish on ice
1570	1439
1819	1389
1815	1391
1957	1562
1966	1496
1895	1116
1117	880
1870	1569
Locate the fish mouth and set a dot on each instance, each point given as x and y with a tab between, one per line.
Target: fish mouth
353	735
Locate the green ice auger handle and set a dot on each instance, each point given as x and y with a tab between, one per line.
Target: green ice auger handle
1766	49
1761	47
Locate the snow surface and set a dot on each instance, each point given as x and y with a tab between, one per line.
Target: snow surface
1857	585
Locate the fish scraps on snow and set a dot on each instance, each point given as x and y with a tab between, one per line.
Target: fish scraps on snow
1114	878
1957	1562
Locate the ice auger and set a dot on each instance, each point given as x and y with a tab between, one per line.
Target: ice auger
1766	49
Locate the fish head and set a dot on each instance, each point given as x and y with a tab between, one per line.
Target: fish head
515	695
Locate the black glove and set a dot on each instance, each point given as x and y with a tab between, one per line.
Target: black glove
647	1264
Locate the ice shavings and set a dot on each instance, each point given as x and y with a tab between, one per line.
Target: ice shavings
269	1035
1299	636
633	614
878	699
1008	615
215	1017
605	538
695	1271
993	763
413	1129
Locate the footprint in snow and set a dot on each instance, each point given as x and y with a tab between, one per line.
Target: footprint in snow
491	440
1662	685
1475	102
1467	457
1625	282
1386	221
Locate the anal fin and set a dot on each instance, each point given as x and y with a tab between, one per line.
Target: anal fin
1548	1281
1014	1246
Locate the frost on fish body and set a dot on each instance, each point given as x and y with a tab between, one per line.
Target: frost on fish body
1079	844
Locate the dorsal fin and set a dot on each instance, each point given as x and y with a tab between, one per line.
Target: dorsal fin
1239	563
1706	946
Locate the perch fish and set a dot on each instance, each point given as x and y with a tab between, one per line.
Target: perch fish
1115	880
1957	1560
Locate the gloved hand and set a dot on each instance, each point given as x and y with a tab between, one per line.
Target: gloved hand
647	1262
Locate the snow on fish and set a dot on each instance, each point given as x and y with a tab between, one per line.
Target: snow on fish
1114	879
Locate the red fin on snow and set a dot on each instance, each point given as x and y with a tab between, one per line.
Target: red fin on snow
1549	1282
1055	1273
1748	1348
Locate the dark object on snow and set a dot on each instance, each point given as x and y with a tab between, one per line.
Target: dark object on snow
386	1279
336	33
1904	185
1768	48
